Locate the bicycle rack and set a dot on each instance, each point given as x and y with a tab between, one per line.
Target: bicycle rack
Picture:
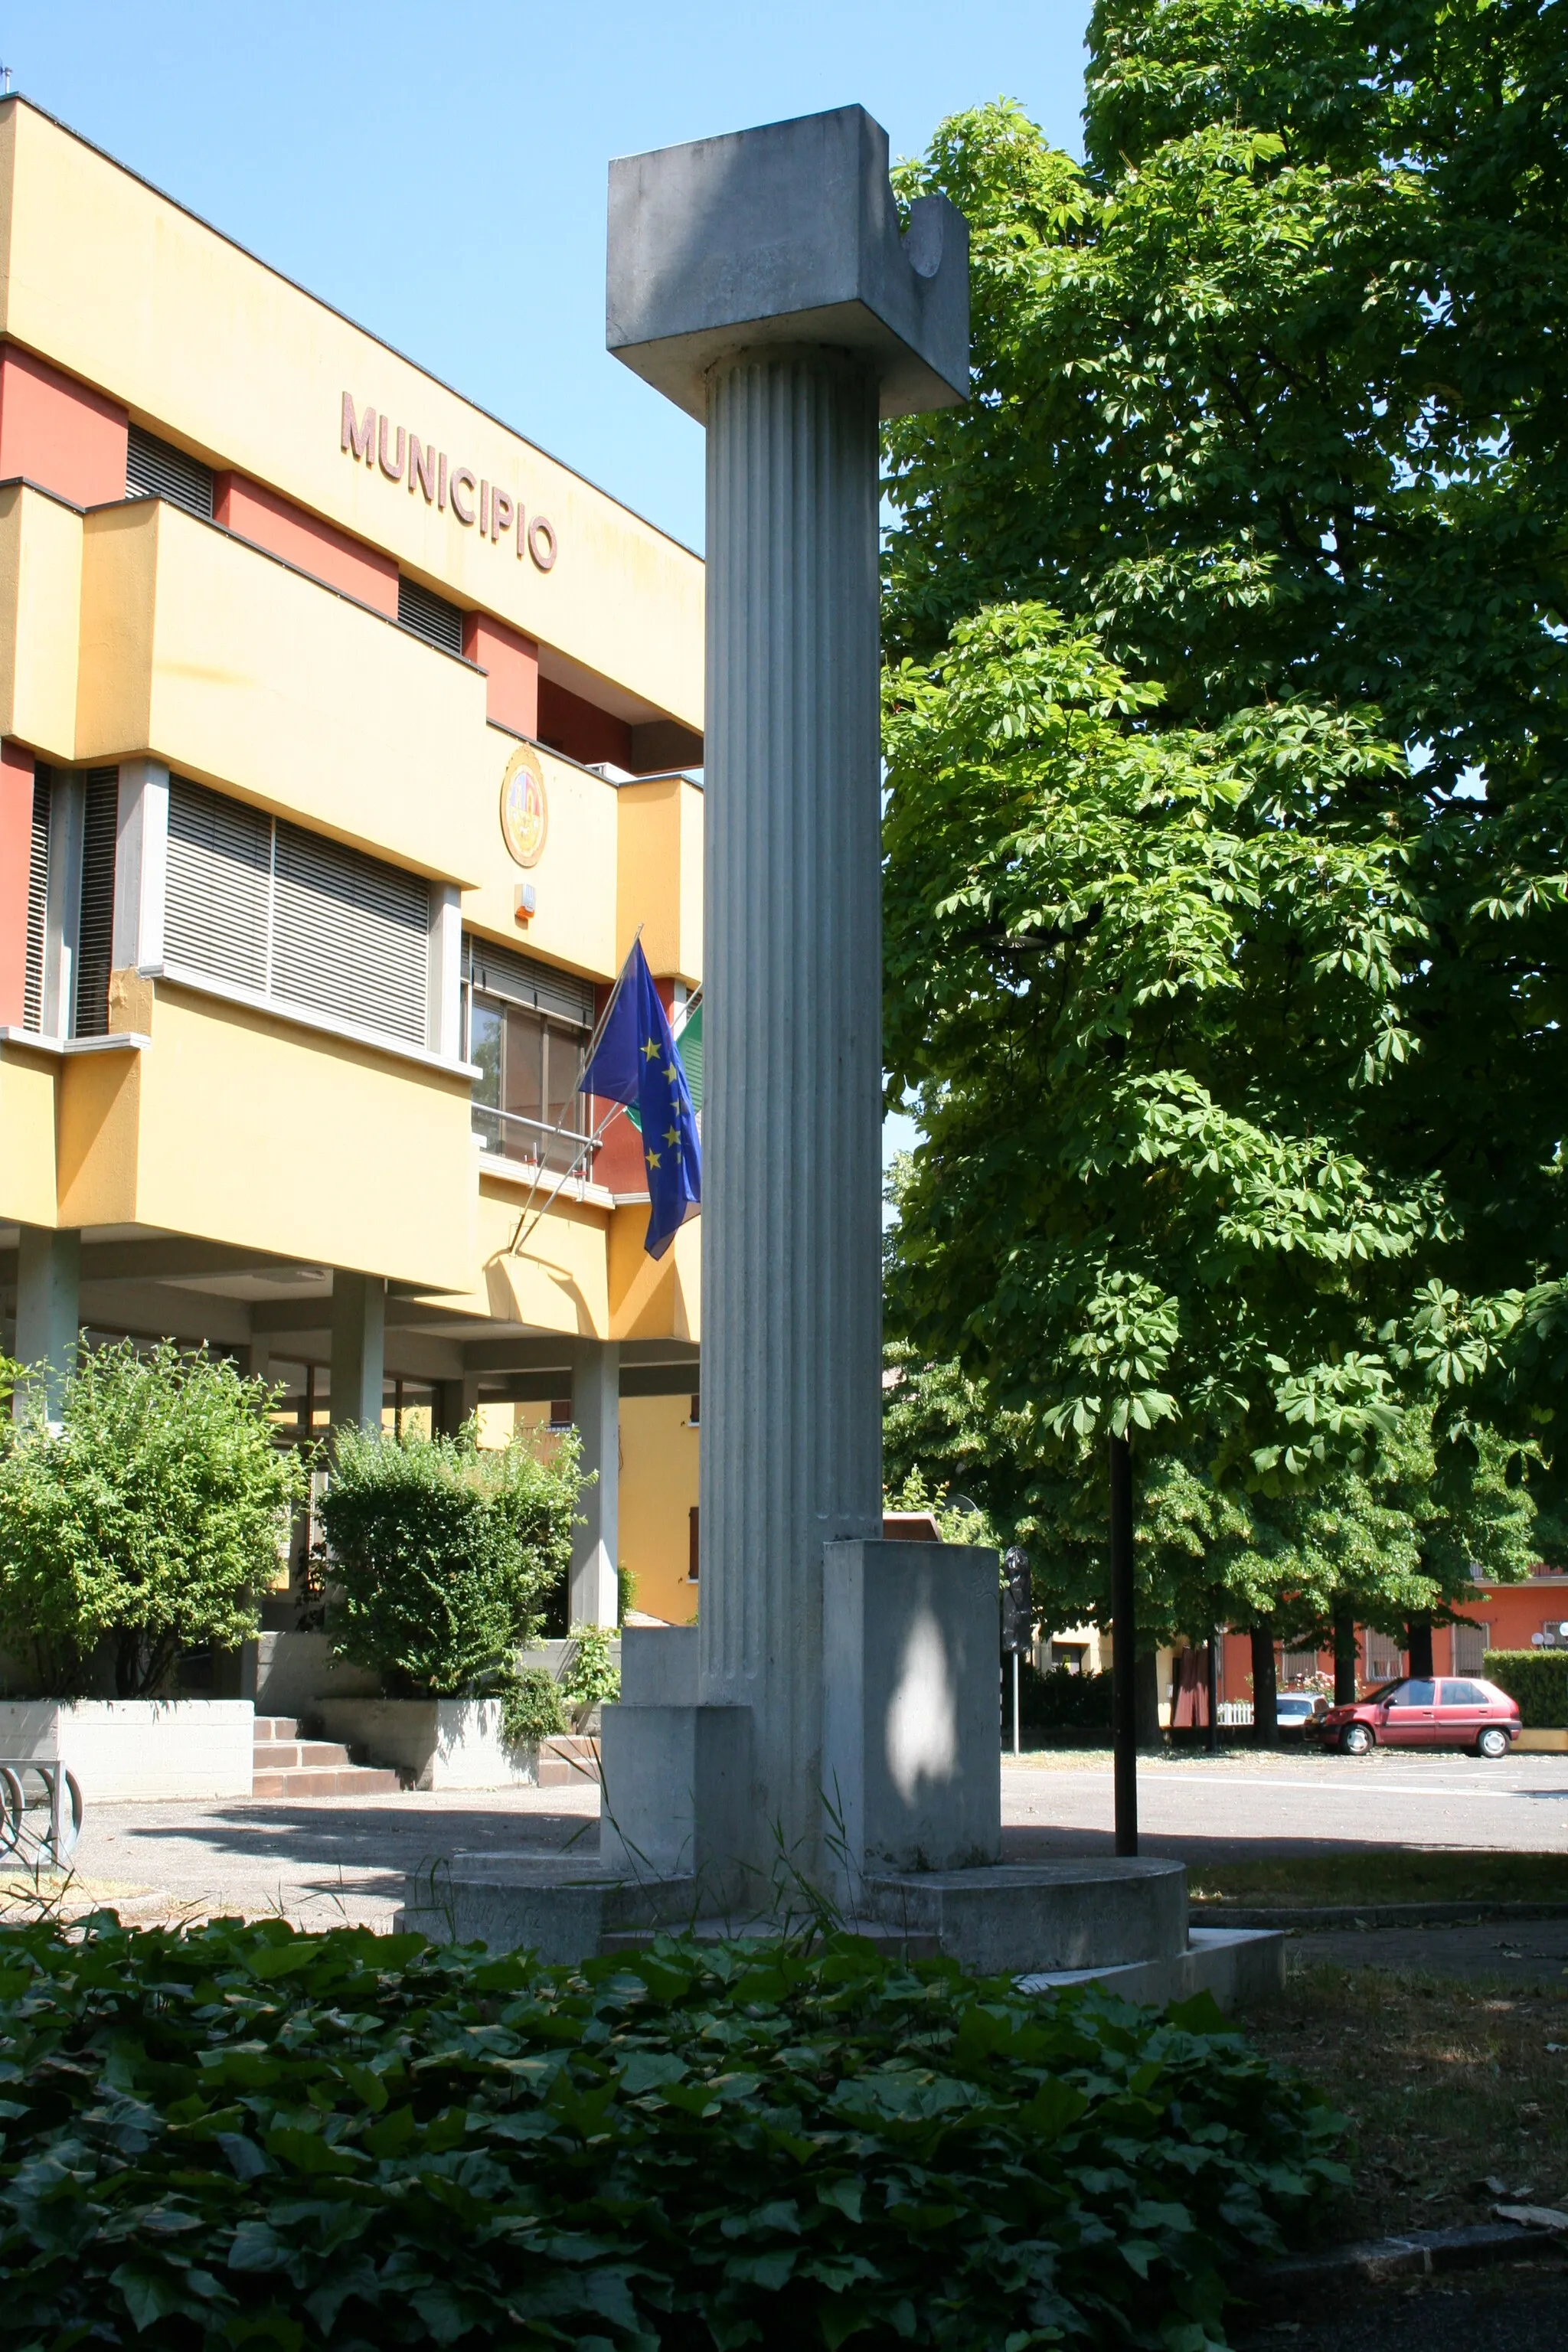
62	1804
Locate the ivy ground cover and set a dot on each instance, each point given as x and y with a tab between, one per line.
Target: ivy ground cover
240	2134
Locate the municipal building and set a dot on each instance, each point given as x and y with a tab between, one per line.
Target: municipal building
348	742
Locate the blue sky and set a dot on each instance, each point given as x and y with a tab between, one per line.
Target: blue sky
438	171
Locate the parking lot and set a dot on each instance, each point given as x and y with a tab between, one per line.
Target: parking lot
328	1859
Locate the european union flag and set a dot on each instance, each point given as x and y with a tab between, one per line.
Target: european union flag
636	1062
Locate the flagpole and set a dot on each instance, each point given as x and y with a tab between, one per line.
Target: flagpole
559	1127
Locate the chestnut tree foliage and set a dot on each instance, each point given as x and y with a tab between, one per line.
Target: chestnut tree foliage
1228	764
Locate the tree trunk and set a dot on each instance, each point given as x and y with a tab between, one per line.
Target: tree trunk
1265	1686
1124	1654
1346	1657
1210	1676
1418	1642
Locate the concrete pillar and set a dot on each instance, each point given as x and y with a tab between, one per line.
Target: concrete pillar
792	1211
761	282
455	1402
359	1336
593	1594
48	1282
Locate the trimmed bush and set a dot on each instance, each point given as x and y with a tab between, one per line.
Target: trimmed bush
153	1514
1537	1679
245	2136
440	1553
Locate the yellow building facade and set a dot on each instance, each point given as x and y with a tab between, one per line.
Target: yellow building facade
346	742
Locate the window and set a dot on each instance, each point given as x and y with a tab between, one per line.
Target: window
270	908
1413	1695
694	1418
1070	1657
1463	1695
1470	1642
70	901
430	616
527	1027
95	932
1297	1665
1383	1658
559	1413
156	469
692	1547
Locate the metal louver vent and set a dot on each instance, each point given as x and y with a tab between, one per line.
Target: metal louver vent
502	971
351	935
216	909
38	900
155	469
430	617
95	937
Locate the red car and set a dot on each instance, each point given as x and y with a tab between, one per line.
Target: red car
1447	1714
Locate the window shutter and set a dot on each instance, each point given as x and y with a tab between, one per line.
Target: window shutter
430	617
156	469
502	971
38	900
95	936
351	935
219	883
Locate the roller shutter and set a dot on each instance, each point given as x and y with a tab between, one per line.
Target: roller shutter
270	907
502	971
217	913
351	935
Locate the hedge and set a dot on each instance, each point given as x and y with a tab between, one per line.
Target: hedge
1537	1679
1061	1700
239	2134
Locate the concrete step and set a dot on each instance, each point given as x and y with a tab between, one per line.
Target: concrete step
570	1757
286	1755
326	1780
276	1727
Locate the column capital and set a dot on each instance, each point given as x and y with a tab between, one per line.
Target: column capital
786	234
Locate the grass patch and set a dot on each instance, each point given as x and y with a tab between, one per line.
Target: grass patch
1383	1874
1444	2083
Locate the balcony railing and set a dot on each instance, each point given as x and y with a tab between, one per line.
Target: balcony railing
532	1143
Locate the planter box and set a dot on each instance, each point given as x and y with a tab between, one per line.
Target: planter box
1543	1743
146	1748
435	1743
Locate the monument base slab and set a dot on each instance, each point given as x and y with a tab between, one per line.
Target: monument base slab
1122	1924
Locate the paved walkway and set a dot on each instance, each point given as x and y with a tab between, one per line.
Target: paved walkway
319	1860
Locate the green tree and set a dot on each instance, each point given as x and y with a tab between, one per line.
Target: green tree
1271	399
1141	986
442	1552
152	1514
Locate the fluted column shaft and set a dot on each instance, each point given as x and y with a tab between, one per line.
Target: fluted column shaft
791	1229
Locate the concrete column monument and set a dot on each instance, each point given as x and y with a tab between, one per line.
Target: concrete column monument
835	1714
765	283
